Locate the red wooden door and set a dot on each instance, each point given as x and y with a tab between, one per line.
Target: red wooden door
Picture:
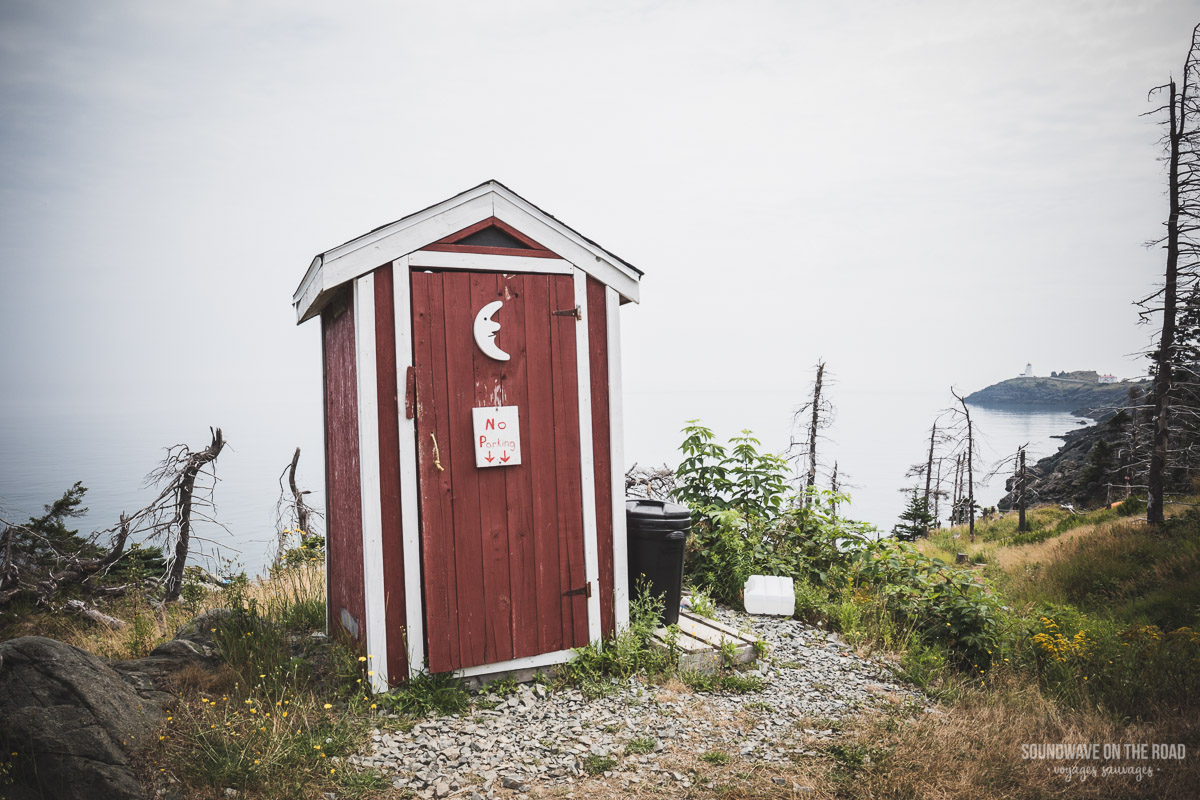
501	547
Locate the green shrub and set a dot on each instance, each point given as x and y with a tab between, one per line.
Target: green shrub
943	604
744	523
598	765
1131	506
595	669
811	602
428	695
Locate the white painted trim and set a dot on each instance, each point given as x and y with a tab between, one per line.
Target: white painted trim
551	234
416	220
616	450
309	288
370	251
368	466
591	562
343	264
487	262
528	662
410	521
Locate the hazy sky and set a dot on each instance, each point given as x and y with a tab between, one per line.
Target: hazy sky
919	193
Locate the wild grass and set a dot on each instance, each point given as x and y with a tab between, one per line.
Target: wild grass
276	722
640	746
598	670
724	681
973	749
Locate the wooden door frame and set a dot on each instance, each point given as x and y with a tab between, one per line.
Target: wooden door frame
409	491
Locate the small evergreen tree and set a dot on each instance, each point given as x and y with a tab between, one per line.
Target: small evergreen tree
915	521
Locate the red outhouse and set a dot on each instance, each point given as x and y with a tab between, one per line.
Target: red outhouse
474	472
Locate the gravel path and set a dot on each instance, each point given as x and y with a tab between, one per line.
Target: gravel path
538	737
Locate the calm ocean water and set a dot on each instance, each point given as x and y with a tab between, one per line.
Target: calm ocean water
875	437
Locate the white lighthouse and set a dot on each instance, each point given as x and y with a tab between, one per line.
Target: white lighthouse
1028	373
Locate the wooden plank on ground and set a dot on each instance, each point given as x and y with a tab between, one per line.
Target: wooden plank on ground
712	623
686	643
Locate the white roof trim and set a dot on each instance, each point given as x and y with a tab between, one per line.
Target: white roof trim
384	245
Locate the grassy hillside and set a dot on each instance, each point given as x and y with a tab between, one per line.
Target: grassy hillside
1101	563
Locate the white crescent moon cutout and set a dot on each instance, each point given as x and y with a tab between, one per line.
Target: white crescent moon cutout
485	331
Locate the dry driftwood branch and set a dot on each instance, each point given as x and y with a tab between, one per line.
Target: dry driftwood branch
183	486
21	576
95	614
652	483
292	514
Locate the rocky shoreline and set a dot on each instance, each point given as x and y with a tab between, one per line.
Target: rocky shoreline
535	737
1078	392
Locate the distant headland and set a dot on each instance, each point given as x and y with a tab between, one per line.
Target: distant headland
1085	392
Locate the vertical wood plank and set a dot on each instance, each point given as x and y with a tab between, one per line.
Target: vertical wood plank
414	606
467	550
616	438
391	534
343	498
597	322
433	484
587	476
493	513
566	452
552	620
367	371
517	484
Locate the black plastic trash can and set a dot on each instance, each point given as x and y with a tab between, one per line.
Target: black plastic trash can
657	533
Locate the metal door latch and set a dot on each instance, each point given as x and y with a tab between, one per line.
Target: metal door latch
586	590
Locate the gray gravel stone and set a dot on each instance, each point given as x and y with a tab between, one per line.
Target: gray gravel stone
536	736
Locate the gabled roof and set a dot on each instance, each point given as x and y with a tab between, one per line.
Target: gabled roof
385	244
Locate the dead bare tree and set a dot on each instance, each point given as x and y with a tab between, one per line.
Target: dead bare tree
293	514
1018	485
42	556
925	471
966	439
1182	154
177	476
819	413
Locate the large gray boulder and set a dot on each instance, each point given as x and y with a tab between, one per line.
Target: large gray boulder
72	719
192	647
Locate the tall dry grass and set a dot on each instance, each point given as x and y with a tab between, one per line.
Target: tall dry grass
284	595
973	750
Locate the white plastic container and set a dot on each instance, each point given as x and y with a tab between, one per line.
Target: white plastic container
770	594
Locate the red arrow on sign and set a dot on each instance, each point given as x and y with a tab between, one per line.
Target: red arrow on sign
489	458
504	457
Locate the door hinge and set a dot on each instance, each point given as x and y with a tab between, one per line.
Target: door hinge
586	590
576	312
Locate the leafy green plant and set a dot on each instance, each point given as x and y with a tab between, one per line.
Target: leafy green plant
503	687
427	695
702	604
598	765
943	604
640	746
594	669
721	681
714	757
